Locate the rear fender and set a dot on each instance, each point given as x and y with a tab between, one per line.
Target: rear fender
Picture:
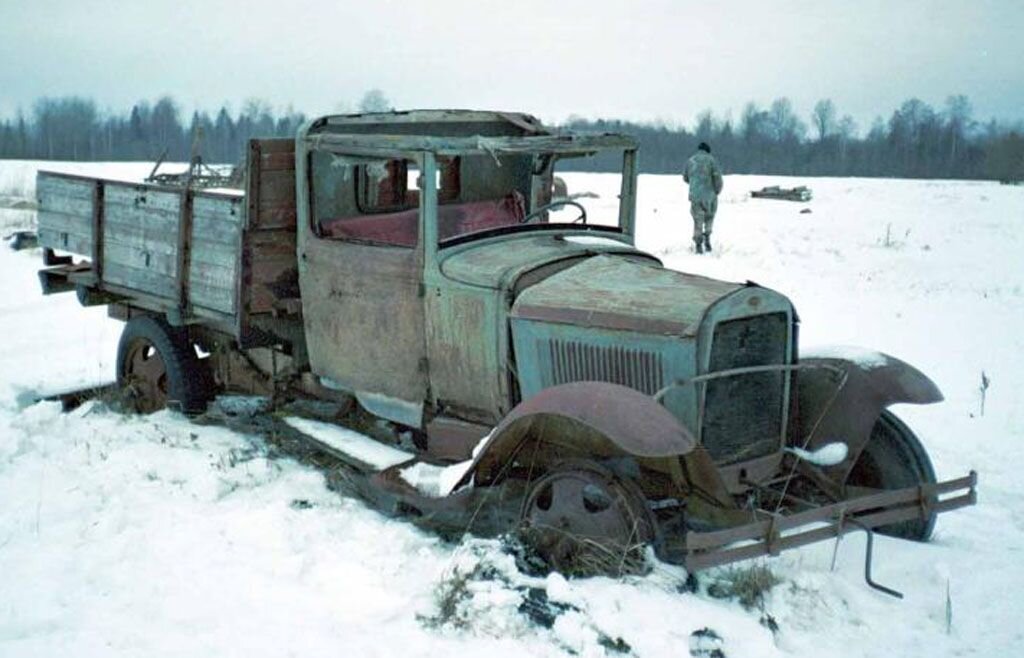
591	420
843	401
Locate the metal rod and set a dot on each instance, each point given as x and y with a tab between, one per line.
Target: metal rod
867	561
732	372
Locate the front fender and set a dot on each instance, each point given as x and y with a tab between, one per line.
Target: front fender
843	402
584	419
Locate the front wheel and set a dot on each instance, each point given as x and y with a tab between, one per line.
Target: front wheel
157	368
894	458
582	520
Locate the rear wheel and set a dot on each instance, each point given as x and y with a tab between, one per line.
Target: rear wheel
157	367
582	520
895	459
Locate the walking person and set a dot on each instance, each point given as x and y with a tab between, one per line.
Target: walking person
705	178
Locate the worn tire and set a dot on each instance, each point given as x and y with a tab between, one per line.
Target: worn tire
184	384
894	458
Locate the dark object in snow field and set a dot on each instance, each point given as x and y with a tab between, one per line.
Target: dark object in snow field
801	193
512	361
20	240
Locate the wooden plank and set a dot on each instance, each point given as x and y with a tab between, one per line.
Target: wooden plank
97	229
205	229
56	202
278	161
215	253
212	274
182	269
142	198
75	243
212	287
273	215
163	264
166	220
139	279
276	144
213	298
278	186
222	209
62	221
128	236
280	239
156	226
48	186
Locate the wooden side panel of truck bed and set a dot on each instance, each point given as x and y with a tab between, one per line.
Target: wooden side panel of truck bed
221	258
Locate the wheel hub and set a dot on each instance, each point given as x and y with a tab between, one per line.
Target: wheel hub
582	520
145	377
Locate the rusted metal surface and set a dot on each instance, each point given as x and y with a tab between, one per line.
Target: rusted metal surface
700	550
145	375
614	293
845	406
363	315
453	439
608	419
500	263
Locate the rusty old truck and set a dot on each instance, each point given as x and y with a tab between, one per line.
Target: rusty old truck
561	382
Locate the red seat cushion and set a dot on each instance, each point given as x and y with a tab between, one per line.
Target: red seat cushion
402	228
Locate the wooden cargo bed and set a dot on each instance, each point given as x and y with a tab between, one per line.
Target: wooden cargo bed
222	258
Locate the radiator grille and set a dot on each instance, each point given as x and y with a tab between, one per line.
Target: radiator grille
573	362
743	413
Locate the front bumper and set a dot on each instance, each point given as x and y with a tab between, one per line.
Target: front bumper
773	532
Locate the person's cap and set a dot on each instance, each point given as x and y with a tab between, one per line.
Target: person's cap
703	146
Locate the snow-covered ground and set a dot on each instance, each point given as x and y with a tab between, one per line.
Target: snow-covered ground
152	536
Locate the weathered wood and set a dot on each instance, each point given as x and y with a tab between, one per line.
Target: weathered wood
215	253
143	280
97	229
50	186
184	239
222	209
195	254
212	287
65	217
137	256
142	198
216	229
139	238
274	215
75	243
52	201
64	221
277	145
284	160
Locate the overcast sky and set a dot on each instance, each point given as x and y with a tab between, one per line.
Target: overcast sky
639	59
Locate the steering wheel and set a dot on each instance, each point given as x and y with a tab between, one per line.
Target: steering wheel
582	219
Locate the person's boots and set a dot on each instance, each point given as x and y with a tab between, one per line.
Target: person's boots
707	242
698	245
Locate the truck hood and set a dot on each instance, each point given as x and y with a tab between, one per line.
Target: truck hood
499	264
623	294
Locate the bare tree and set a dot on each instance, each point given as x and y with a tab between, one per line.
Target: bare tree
374	101
958	117
824	118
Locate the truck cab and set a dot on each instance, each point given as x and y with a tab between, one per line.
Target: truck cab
416	233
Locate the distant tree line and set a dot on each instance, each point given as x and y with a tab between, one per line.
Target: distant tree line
72	128
917	141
